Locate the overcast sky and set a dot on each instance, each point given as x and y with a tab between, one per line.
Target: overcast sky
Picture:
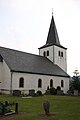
24	26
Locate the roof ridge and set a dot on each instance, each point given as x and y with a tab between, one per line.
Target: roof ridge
18	51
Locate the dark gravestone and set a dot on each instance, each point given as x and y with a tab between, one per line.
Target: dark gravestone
58	92
46	106
47	92
16	92
32	92
16	108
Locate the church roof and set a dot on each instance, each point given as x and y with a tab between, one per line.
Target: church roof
52	38
19	61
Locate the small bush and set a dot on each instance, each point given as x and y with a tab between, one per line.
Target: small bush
23	94
58	88
5	109
39	93
47	92
53	91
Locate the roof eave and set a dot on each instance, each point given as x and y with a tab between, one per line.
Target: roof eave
39	73
51	45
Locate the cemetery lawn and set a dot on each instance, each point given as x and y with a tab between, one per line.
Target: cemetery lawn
61	108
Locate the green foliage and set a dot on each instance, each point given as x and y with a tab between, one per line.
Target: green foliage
24	94
58	88
39	93
3	108
53	91
75	83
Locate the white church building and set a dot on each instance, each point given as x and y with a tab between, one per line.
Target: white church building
24	71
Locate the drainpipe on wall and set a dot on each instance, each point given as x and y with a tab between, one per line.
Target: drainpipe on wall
0	86
11	83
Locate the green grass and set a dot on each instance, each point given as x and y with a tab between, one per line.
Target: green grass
61	108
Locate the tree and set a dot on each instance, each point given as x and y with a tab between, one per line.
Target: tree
75	83
53	91
76	72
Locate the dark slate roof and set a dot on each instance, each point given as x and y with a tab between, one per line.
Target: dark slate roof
52	38
53	35
24	62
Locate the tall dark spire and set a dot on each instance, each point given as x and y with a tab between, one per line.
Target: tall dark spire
52	38
52	34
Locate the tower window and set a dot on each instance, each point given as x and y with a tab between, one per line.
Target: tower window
47	53
39	83
44	54
21	82
51	83
62	83
59	53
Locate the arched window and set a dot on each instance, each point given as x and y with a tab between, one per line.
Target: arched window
48	53
59	53
44	54
51	83
62	83
39	83
21	82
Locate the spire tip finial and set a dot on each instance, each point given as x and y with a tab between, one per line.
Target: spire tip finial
52	11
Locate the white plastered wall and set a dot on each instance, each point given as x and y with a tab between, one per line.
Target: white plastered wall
31	82
51	52
54	57
60	61
0	75
5	78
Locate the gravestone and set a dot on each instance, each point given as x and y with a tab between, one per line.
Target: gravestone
47	92
32	92
75	92
58	92
16	92
46	106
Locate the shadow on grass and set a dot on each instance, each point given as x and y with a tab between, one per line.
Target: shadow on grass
12	116
50	115
21	114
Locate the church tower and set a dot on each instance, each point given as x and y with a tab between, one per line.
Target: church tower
53	50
